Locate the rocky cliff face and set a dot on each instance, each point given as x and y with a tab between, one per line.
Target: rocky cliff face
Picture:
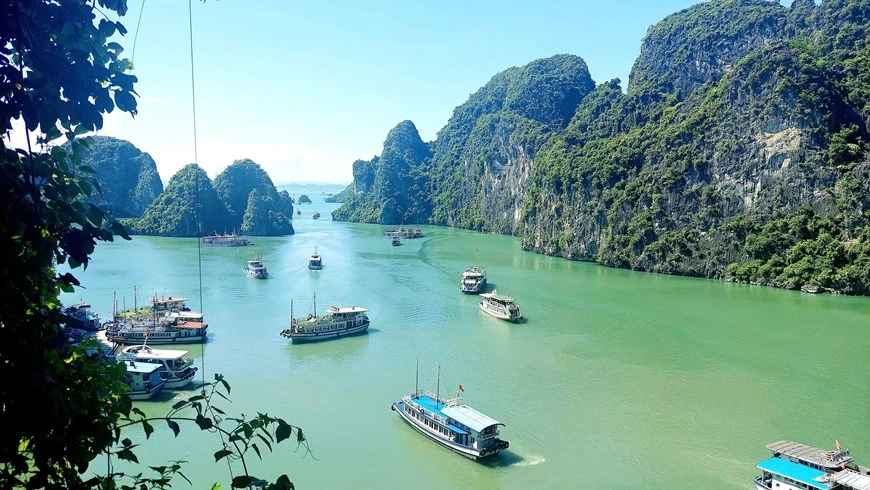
740	151
267	213
127	177
188	207
701	43
390	188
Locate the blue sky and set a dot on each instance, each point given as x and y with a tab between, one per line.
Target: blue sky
306	88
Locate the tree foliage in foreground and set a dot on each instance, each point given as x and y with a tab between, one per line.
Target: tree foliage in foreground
62	405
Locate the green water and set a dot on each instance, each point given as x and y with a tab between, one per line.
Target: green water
617	380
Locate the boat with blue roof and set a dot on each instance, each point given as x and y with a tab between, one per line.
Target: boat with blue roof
796	466
452	424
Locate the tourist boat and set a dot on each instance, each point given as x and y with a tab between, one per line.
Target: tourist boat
403	232
133	332
501	306
256	268
143	379
337	322
82	316
795	466
473	280
175	369
298	212
315	262
315	215
395	241
225	240
451	424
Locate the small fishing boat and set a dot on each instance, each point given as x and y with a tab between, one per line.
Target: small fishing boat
315	215
256	268
473	280
82	316
225	240
315	262
174	368
337	322
143	379
795	466
395	241
501	306
451	424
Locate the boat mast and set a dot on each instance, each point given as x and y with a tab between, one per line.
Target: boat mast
417	380
438	388
315	303
134	298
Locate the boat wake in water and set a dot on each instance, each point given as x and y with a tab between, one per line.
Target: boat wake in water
530	461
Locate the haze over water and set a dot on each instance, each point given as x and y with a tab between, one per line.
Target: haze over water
617	379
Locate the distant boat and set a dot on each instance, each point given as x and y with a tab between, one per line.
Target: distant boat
178	371
315	215
256	268
395	241
225	240
500	306
451	424
337	322
795	466
473	280
298	212
143	379
315	262
82	316
403	232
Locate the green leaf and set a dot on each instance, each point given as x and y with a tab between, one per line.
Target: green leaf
284	431
204	423
125	101
257	450
147	428
174	426
223	453
179	404
242	481
127	442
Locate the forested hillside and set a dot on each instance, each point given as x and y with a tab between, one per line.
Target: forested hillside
739	150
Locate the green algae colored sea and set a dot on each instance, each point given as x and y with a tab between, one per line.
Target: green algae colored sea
616	380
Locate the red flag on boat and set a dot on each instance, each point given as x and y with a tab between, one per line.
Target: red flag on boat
461	388
146	332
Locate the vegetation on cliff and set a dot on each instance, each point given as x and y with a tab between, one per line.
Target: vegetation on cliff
127	179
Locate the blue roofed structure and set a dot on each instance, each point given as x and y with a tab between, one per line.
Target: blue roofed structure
797	472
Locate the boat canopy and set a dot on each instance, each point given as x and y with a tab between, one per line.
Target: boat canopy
810	454
469	417
141	367
795	471
501	298
851	479
146	351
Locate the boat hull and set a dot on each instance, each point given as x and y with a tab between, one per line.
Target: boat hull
476	289
759	485
153	340
320	336
469	453
146	394
498	315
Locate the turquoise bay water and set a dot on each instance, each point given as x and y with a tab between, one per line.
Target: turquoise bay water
617	380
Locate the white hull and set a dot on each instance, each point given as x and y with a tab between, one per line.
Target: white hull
146	395
498	314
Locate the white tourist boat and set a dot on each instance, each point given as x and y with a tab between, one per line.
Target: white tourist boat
225	240
256	268
451	424
175	369
315	262
143	379
337	322
795	466
501	306
156	332
473	280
